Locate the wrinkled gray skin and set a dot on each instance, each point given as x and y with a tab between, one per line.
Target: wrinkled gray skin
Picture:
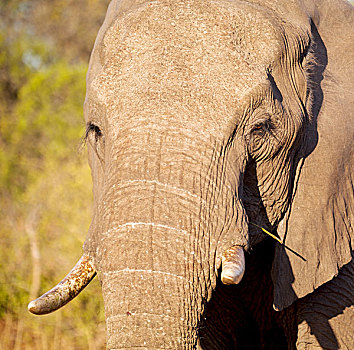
205	118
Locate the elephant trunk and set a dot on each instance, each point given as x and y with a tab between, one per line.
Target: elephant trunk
155	261
154	296
163	219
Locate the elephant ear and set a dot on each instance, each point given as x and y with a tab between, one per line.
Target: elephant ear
318	225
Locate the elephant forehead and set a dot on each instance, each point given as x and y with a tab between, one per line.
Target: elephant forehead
196	56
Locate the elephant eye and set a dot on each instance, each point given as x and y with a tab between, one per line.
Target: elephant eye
266	127
262	139
95	138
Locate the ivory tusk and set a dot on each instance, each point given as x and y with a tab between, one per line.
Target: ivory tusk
233	265
74	282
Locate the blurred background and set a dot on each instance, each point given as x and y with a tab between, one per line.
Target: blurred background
45	182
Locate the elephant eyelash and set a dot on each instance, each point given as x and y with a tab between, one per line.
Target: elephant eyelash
93	128
98	143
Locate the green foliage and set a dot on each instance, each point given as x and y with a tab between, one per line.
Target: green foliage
45	187
48	191
43	125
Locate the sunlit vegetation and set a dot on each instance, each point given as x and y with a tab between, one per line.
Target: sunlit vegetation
45	182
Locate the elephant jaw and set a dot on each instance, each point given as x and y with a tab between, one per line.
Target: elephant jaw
233	265
75	281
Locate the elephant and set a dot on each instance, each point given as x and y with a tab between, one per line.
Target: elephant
220	139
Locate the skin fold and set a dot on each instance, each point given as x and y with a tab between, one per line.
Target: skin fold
206	122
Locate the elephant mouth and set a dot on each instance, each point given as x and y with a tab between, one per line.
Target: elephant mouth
233	268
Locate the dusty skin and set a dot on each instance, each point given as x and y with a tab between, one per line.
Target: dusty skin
206	122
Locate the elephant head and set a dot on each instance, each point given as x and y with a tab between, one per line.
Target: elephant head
206	122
